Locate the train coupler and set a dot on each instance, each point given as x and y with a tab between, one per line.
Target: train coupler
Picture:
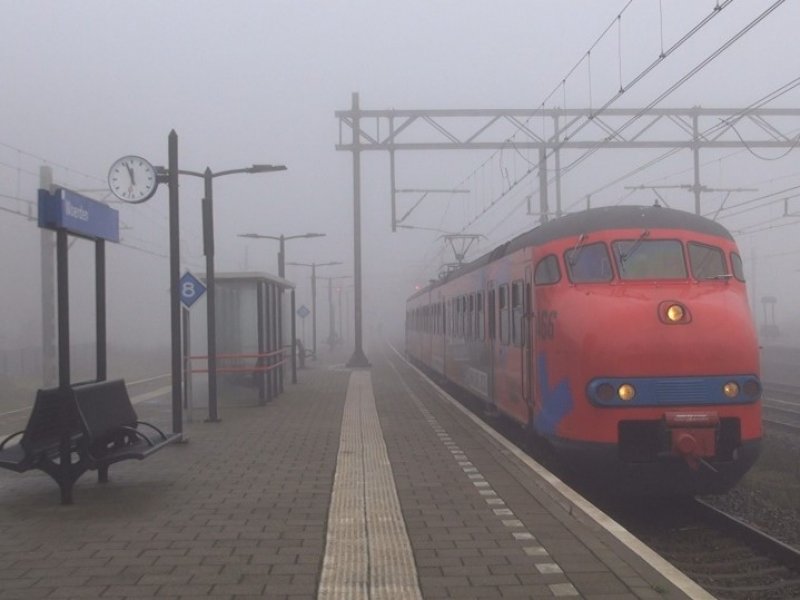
692	436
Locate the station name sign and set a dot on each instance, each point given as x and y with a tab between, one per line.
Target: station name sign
79	215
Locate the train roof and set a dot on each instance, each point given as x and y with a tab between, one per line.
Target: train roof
594	219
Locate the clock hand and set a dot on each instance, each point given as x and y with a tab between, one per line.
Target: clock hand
130	173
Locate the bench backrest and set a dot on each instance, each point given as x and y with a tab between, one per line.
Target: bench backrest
51	410
104	407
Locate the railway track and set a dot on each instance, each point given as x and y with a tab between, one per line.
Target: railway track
729	558
781	406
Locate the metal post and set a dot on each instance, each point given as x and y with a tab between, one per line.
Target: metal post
48	277
391	176
174	277
314	309
282	258
294	340
341	331
211	311
543	207
260	335
100	308
557	154
331	323
358	359
696	157
62	290
187	363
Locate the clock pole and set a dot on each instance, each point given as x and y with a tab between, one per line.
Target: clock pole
175	276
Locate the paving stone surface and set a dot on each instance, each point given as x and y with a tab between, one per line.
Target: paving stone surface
241	509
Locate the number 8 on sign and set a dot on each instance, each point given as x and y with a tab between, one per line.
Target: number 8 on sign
191	289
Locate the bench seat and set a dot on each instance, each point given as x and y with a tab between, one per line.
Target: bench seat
94	422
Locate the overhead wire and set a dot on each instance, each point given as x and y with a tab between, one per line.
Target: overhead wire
635	80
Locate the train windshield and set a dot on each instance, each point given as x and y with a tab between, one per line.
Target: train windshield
588	263
649	259
708	262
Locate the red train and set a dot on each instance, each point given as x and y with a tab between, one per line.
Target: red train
622	336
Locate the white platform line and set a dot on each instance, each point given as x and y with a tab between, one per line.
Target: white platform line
568	499
367	551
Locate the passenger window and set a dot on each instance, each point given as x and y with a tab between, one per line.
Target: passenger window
516	313
588	263
707	262
470	315
547	271
649	259
504	314
738	267
492	316
479	321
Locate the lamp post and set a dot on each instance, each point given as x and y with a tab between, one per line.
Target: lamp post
282	240
331	318
314	266
208	249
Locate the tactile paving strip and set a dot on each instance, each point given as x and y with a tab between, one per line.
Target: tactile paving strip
367	552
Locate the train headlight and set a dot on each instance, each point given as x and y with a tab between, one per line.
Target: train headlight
751	388
672	312
675	313
731	389
626	392
605	392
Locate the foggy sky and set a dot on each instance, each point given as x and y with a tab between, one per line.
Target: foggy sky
244	82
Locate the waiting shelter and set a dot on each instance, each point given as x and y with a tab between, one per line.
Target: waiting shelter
255	330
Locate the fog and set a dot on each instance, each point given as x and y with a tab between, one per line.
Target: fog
245	82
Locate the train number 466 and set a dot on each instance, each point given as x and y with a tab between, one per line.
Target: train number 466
545	322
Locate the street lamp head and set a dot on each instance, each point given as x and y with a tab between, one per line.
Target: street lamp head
256	236
279	237
326	264
266	168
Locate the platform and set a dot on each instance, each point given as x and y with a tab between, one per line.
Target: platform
352	484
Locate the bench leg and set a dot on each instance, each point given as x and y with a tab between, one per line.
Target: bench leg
66	491
102	474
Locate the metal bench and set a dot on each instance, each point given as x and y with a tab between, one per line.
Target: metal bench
112	428
85	427
49	441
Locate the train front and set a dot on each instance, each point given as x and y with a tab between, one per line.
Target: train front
650	379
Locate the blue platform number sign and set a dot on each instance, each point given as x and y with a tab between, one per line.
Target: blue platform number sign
303	312
191	289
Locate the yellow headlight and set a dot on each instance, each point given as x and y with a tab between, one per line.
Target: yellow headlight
731	389
626	392
675	313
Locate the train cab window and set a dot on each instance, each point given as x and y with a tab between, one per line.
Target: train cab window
708	262
738	268
516	313
504	313
649	259
588	263
547	271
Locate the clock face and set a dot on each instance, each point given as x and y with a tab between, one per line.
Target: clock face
132	179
